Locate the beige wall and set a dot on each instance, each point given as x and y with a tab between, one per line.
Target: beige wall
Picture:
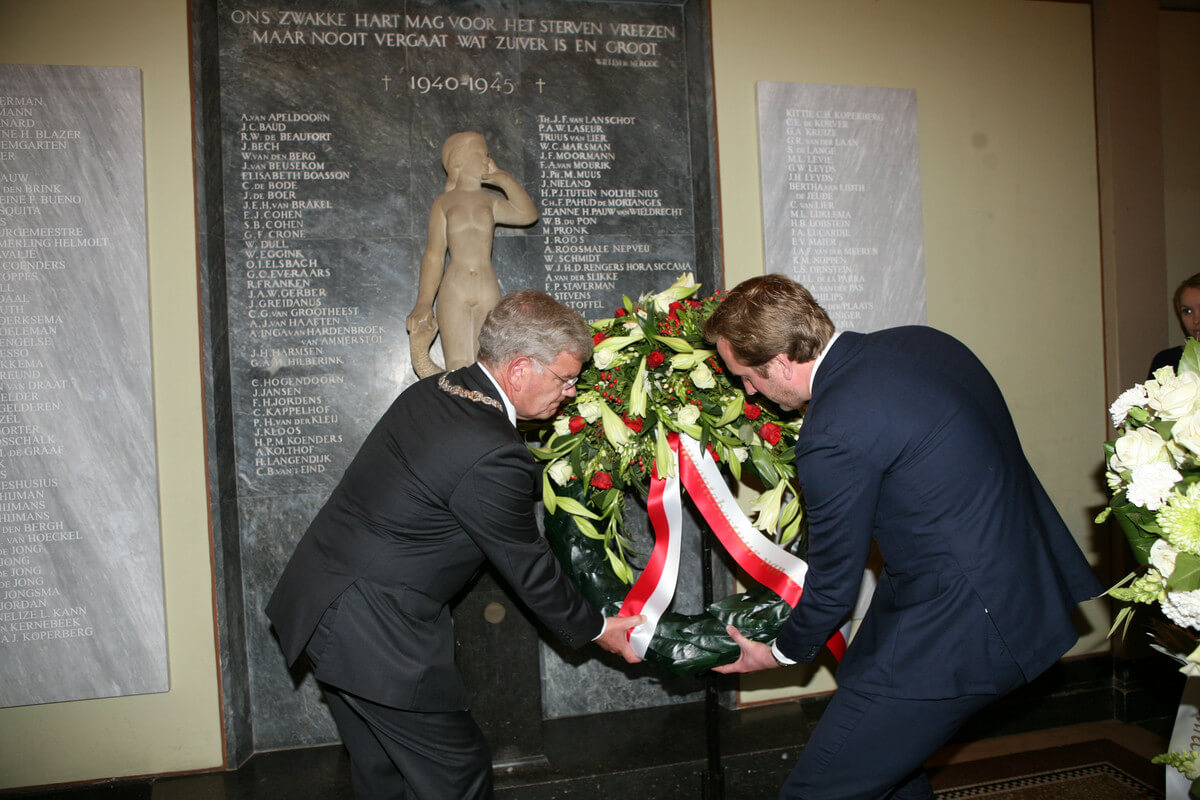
1179	61
1008	181
180	729
1008	171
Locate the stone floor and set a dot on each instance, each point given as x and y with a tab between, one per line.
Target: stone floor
664	753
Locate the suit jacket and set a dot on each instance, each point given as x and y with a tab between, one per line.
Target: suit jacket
908	441
442	483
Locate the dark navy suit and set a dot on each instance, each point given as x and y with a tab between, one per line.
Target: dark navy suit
907	441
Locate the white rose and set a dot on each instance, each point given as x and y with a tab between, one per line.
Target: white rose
703	378
740	454
688	415
560	472
562	426
603	359
1176	397
1162	557
590	410
1187	432
1138	447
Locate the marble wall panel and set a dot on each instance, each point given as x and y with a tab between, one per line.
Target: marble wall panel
841	189
81	591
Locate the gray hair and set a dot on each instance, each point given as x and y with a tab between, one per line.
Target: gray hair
533	324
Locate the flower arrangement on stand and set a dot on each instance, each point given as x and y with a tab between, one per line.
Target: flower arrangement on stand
1154	478
652	374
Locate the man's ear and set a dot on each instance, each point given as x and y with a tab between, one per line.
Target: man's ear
786	366
518	371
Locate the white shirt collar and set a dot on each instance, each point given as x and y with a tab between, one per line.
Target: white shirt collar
816	364
509	408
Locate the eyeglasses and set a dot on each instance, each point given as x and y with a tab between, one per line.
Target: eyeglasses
566	382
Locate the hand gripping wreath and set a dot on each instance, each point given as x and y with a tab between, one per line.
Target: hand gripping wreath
655	413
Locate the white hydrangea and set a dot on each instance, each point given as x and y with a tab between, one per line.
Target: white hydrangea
1152	485
1128	399
1183	608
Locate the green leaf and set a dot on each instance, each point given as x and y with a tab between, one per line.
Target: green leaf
1164	427
587	528
675	343
548	496
762	464
1190	360
1186	576
733	410
575	508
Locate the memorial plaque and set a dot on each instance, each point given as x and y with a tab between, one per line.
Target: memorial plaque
331	124
81	591
841	189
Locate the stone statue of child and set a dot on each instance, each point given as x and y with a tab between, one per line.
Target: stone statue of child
461	223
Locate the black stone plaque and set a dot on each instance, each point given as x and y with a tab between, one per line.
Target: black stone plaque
326	131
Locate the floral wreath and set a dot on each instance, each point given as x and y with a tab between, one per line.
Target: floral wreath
1154	478
653	375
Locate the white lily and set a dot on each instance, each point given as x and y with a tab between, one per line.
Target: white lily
638	393
767	507
615	429
691	360
684	286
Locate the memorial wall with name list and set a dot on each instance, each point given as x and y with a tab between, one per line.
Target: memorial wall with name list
321	129
81	582
841	189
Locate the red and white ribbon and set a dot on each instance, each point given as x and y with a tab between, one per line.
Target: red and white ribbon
766	562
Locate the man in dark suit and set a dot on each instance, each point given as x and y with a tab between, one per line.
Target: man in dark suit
908	441
442	483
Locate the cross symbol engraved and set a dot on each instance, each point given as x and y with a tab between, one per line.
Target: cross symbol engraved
540	84
387	79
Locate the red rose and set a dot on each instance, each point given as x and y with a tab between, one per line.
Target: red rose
598	338
576	424
620	312
770	432
655	359
602	480
634	425
751	411
713	452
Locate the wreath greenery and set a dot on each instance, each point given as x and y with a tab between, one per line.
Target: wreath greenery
653	373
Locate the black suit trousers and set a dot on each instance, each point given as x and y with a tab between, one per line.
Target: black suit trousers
411	755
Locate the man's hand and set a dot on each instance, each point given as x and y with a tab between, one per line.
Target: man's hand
614	639
755	655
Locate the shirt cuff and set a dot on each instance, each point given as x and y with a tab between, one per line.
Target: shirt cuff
602	630
780	657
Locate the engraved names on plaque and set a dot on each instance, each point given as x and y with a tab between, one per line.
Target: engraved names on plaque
81	594
332	122
842	199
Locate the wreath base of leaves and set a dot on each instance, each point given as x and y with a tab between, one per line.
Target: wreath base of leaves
683	644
